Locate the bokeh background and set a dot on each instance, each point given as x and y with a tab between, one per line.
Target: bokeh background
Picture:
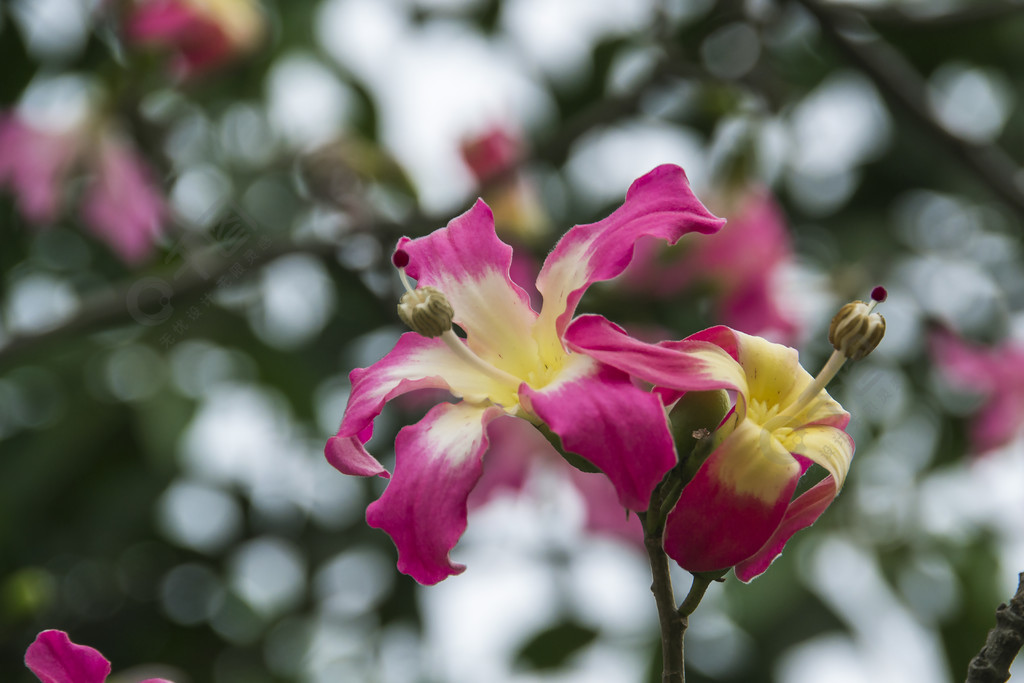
178	319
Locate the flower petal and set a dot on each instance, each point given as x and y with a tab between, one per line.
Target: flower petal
470	265
800	514
437	463
600	415
55	659
827	446
734	503
415	363
683	365
659	204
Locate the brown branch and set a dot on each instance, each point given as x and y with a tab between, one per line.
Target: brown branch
901	85
927	18
992	664
183	283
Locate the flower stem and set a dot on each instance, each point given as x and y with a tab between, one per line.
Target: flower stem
673	624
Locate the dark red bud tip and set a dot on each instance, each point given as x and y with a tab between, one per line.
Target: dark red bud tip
401	259
879	294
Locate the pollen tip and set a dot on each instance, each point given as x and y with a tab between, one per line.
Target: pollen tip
400	259
879	294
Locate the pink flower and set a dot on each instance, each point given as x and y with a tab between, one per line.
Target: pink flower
201	35
53	658
513	361
741	262
738	510
997	374
121	203
33	163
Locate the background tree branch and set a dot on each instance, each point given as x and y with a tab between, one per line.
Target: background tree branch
992	664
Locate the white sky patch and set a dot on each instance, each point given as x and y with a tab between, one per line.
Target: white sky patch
435	86
840	125
306	101
605	162
558	37
971	102
892	645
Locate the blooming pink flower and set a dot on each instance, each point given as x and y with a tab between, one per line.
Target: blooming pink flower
997	373
201	34
121	204
738	510
513	362
741	262
53	658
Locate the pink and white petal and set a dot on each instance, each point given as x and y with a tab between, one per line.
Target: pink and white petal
800	514
601	415
470	265
683	365
658	204
827	446
437	463
734	503
415	362
53	658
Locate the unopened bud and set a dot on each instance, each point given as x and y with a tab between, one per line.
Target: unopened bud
856	331
426	311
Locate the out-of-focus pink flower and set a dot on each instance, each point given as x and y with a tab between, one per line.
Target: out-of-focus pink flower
997	373
740	262
493	158
121	203
53	658
33	164
200	34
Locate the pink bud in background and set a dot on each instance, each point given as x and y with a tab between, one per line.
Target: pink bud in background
33	164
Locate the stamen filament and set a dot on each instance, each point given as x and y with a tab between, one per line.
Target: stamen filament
462	351
787	418
405	280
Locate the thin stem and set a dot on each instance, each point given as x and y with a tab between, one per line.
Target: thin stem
697	590
673	624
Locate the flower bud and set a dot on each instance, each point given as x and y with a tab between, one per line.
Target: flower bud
856	331
426	311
